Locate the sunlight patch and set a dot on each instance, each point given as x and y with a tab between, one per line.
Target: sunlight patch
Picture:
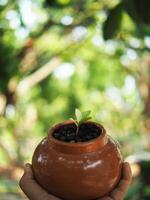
64	71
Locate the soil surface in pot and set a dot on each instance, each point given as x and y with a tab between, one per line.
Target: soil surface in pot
67	133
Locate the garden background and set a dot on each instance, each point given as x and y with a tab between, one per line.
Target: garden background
58	55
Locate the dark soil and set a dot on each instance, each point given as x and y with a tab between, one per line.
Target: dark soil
67	133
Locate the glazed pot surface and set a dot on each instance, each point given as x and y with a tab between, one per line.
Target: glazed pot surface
77	171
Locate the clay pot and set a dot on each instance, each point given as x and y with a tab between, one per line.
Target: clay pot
77	171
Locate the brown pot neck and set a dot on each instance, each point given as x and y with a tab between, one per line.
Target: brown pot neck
79	147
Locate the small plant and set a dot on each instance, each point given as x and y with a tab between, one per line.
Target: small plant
81	117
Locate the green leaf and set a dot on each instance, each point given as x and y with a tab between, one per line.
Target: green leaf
84	120
86	114
113	21
78	115
131	10
139	10
81	116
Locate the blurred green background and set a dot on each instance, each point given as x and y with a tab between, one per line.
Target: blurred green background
58	55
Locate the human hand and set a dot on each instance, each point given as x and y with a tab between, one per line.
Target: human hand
119	192
31	188
34	192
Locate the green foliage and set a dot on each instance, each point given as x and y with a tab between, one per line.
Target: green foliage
112	24
8	185
106	77
139	10
82	117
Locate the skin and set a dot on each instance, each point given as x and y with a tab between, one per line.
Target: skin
34	192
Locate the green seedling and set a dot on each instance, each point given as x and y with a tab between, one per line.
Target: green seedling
80	118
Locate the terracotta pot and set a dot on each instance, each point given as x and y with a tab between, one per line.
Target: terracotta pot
77	171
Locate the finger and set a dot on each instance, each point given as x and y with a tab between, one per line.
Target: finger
31	188
117	195
127	174
106	198
126	178
122	187
28	171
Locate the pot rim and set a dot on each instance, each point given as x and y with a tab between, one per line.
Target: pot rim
79	147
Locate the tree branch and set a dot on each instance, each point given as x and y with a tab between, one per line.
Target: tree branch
44	71
37	76
7	155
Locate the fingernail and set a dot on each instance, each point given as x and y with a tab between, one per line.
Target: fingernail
27	167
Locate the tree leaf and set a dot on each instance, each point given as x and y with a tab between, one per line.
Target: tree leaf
112	23
139	10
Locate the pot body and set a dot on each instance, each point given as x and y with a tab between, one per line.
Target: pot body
77	175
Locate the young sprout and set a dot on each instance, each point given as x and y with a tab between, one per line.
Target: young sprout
81	117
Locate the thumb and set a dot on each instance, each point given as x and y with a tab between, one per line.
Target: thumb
28	171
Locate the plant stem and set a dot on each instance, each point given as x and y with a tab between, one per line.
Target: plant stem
77	130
